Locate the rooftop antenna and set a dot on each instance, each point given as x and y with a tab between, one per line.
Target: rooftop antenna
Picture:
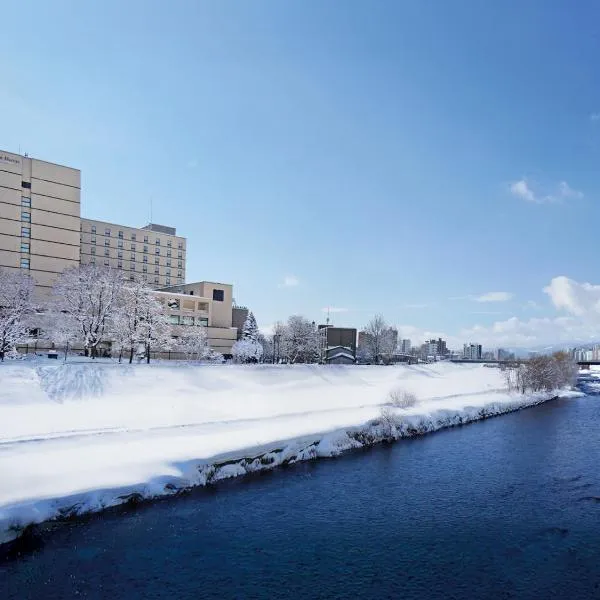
150	209
327	322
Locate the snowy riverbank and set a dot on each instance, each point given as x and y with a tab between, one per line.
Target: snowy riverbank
77	438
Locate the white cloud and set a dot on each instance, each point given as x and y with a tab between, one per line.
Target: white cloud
595	117
289	281
494	297
563	191
334	309
579	299
522	190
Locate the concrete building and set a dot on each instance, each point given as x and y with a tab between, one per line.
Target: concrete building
238	318
202	303
42	232
155	252
472	351
39	218
405	346
337	344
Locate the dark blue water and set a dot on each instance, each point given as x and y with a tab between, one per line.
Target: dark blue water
505	508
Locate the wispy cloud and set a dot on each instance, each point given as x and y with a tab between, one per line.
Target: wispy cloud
494	297
192	163
418	305
290	281
334	309
525	191
595	117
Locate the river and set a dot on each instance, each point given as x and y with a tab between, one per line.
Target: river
503	508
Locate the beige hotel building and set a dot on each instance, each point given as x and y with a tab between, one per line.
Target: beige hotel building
42	232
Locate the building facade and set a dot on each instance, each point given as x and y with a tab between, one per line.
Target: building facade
39	218
405	346
154	252
472	351
203	303
42	233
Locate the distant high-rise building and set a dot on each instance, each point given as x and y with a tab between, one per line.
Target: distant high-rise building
405	346
472	351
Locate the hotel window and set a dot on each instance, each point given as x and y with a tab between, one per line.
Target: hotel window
156	270
107	242
132	256
156	280
168	263
180	263
25	216
25	201
180	280
180	255
120	235
156	260
169	243
106	252
120	265
180	245
93	240
133	237
168	253
107	231
93	229
157	251
168	271
106	263
169	283
26	184
179	274
157	242
218	295
24	263
145	268
131	278
202	321
120	243
145	259
133	247
92	261
25	232
145	239
24	246
132	266
145	248
120	254
93	250
174	319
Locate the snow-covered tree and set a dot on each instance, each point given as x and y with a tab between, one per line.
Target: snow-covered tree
130	324
299	341
377	341
194	344
156	330
88	297
248	349
16	300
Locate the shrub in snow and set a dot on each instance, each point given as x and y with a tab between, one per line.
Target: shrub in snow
401	398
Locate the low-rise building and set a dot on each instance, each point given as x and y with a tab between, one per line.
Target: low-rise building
203	303
337	344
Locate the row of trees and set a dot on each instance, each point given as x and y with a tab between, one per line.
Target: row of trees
88	305
542	374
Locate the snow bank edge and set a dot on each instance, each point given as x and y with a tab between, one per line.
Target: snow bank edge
20	520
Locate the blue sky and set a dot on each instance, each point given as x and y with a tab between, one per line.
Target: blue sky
407	158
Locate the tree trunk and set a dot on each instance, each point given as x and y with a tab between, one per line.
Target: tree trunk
2	355
66	351
131	355
148	354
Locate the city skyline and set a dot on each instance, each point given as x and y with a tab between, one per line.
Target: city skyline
433	148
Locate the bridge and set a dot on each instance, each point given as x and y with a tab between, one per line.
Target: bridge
586	364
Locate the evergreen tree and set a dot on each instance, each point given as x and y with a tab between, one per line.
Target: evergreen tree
250	329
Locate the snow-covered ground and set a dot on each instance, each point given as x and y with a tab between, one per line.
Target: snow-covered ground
82	437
